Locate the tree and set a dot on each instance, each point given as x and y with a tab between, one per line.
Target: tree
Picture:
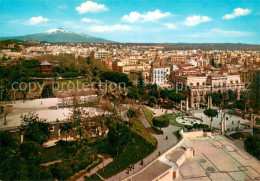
254	93
153	91
29	152
7	144
6	110
115	99
160	122
114	77
66	128
132	94
232	96
118	136
211	113
88	60
252	143
36	129
47	91
217	98
212	62
152	101
140	86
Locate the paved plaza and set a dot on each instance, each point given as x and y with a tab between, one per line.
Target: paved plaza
220	160
217	120
45	108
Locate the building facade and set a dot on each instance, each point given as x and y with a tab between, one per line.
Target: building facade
195	87
160	75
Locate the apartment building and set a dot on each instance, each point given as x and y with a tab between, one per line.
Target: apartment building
101	54
160	74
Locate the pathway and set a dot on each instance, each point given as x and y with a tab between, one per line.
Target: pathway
163	145
95	169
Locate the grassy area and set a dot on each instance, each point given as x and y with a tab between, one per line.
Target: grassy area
239	135
149	115
51	154
139	129
138	146
93	177
172	119
75	157
133	152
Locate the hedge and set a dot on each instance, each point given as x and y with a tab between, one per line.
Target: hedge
158	131
160	121
70	75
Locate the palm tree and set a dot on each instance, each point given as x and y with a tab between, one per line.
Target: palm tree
211	113
66	128
114	98
6	111
36	129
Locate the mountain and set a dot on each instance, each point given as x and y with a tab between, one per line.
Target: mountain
58	35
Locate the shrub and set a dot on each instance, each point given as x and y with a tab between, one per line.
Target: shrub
70	75
158	131
41	75
160	121
177	134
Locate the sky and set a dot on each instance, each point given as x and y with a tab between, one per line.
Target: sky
140	21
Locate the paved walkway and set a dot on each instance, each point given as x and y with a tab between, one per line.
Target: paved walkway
143	119
163	145
95	169
161	111
50	163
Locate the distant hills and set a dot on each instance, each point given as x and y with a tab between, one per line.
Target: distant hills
202	46
58	35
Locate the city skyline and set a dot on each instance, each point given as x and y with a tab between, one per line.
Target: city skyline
142	22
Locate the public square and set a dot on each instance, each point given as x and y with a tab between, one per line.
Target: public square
232	121
216	158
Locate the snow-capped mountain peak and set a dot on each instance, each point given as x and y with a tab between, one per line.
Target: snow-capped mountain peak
57	30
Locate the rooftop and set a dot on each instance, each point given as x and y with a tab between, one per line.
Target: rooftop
45	63
175	156
152	172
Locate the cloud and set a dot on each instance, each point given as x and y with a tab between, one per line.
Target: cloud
171	26
195	20
88	20
236	13
109	28
222	33
91	7
150	16
37	20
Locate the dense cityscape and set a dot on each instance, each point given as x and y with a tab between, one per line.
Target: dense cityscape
78	107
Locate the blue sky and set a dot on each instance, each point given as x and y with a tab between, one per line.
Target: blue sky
164	21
